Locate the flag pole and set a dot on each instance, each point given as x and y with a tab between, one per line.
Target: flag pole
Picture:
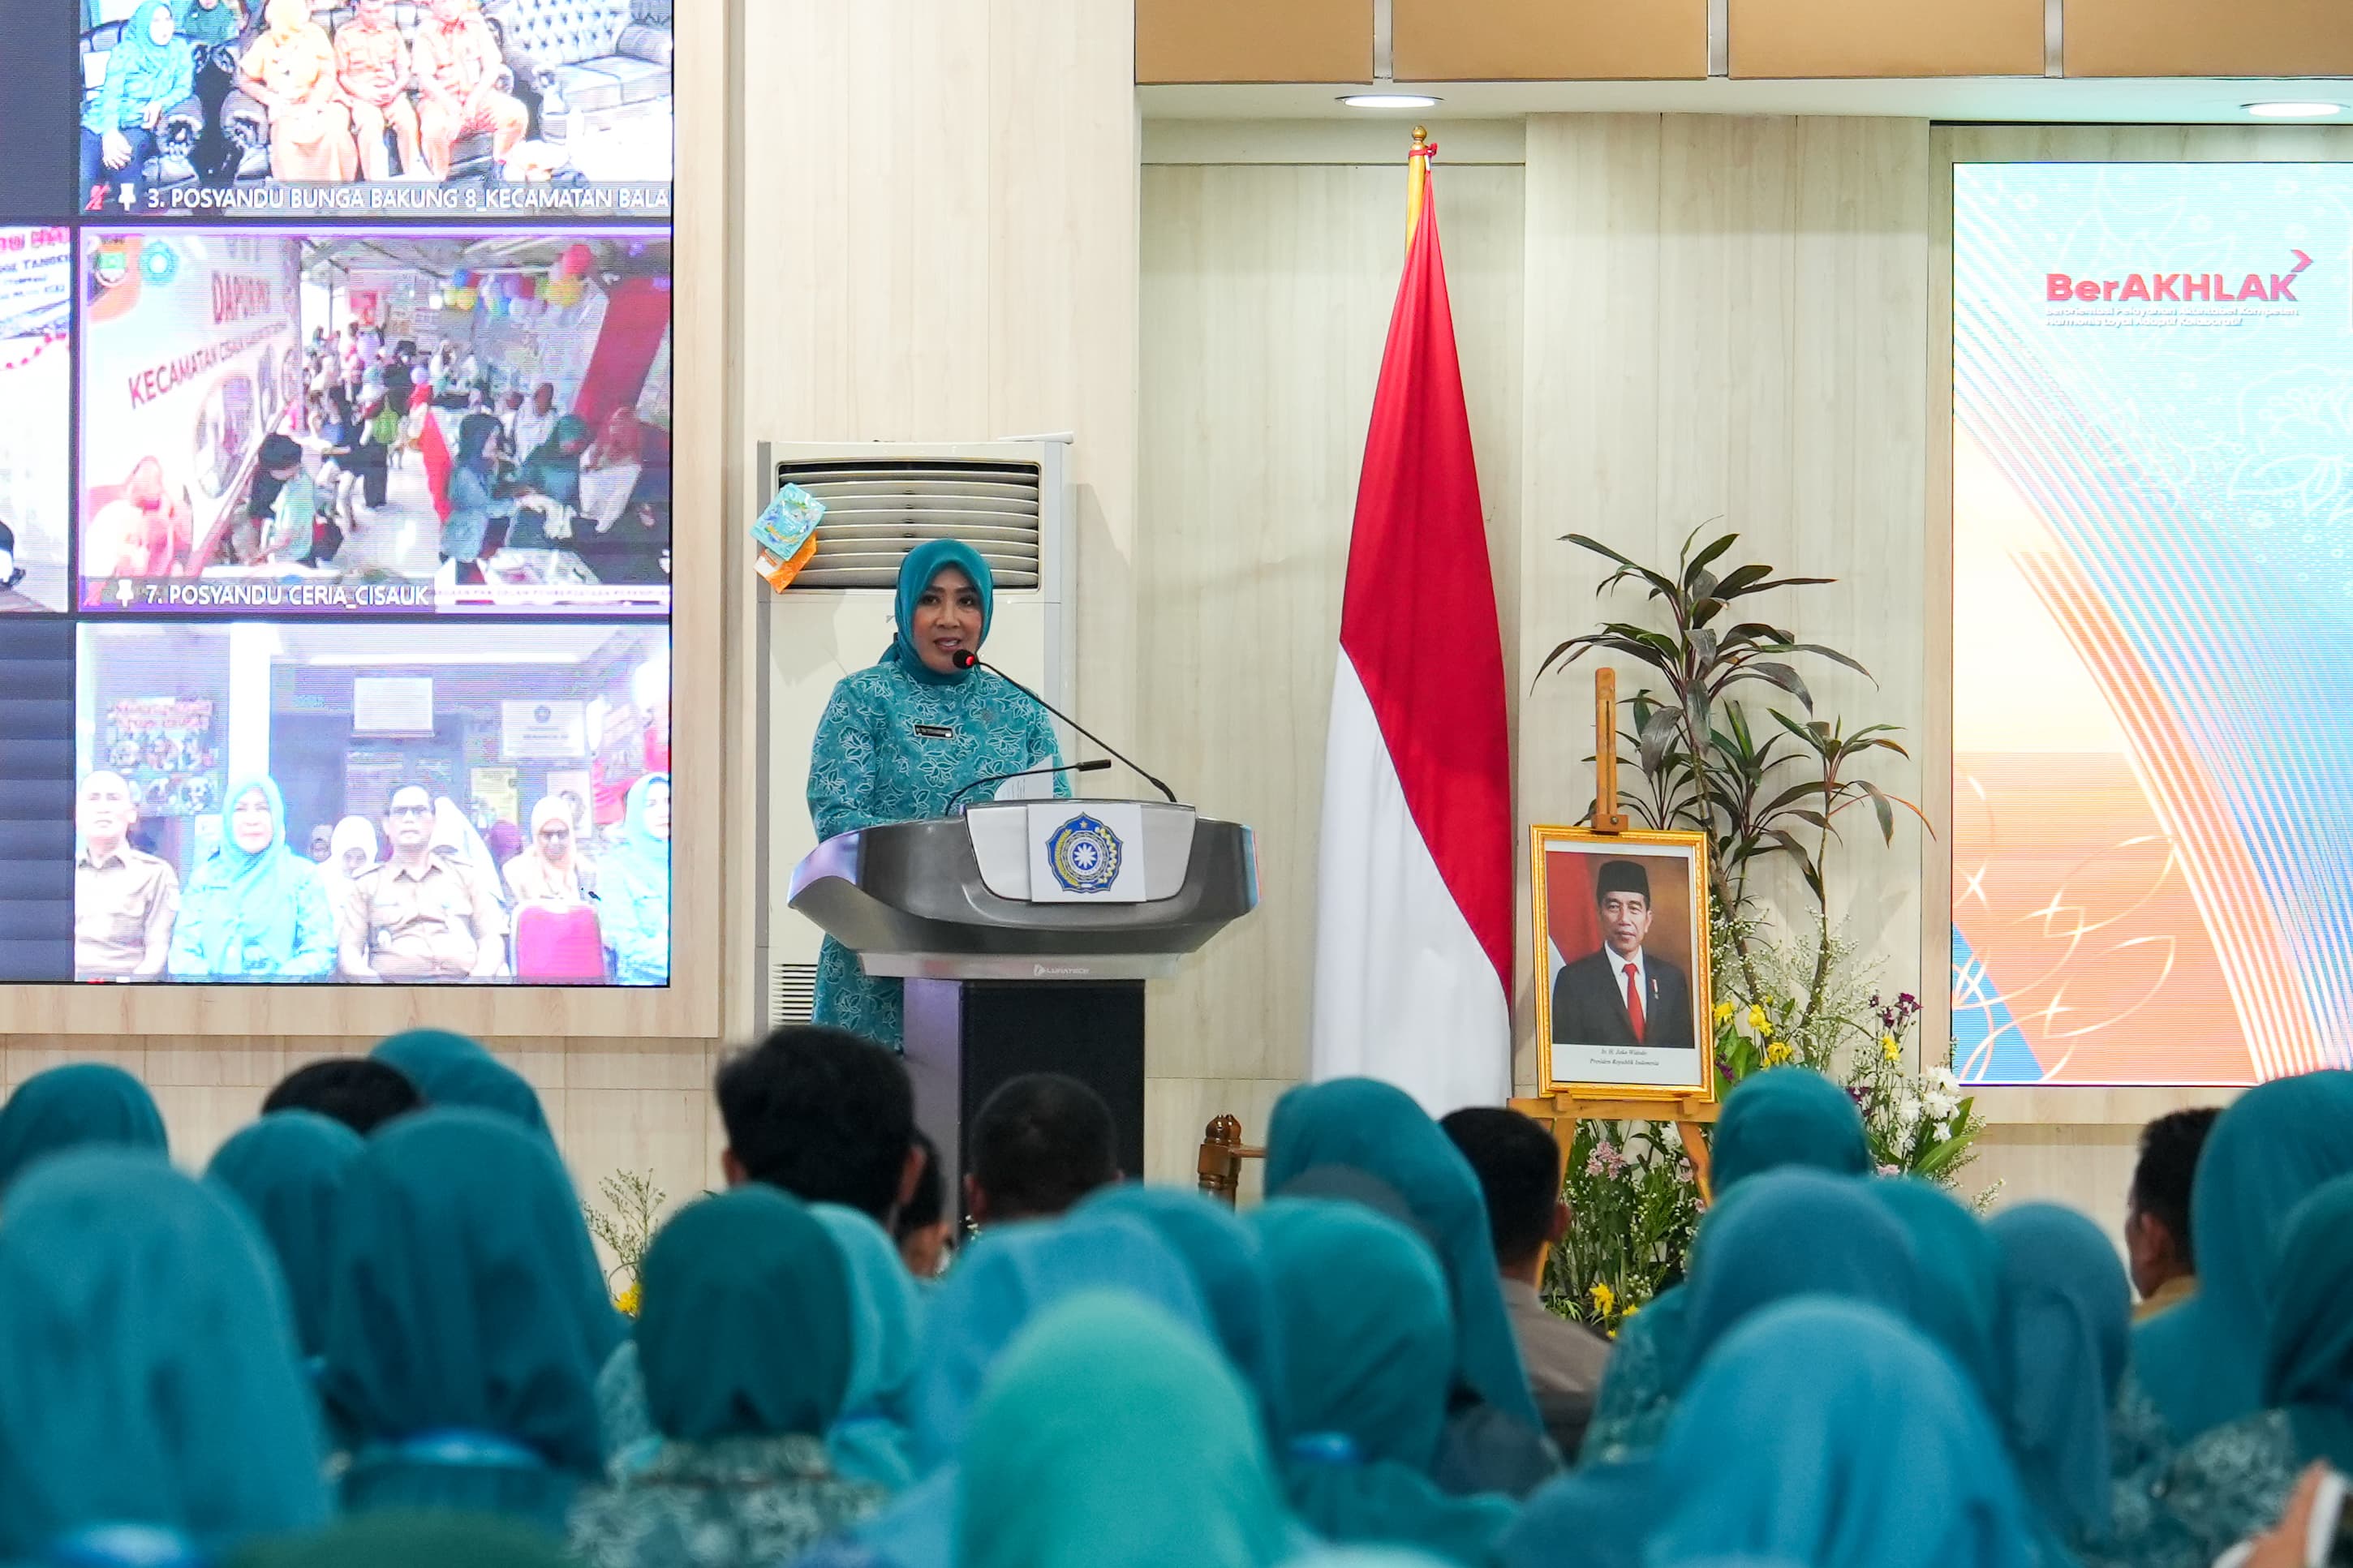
1417	178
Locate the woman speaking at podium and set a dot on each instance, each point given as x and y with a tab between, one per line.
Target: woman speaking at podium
901	737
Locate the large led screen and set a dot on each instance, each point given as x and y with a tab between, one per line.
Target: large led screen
441	805
36	414
2152	839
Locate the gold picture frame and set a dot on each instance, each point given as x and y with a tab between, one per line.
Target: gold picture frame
1619	1060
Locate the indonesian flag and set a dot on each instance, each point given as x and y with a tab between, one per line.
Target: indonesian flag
1413	939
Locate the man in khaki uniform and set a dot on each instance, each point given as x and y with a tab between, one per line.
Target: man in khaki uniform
418	916
124	900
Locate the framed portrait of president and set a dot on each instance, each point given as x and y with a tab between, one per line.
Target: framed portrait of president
1621	942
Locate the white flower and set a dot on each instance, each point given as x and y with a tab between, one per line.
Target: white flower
1673	1133
1907	1111
1939	1107
1944	1130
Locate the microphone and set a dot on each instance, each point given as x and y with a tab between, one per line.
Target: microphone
965	658
1095	766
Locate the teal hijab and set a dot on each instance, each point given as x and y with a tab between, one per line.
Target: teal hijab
2068	1338
2202	1362
467	1322
923	563
148	1364
1230	1270
1787	1116
870	1438
255	887
450	1070
743	1321
409	1540
2308	1362
1958	1302
288	1169
1860	1445
70	1107
640	852
1368	1361
1114	1437
1793	1232
1377	1127
1008	1276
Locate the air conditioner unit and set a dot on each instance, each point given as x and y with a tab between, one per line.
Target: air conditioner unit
1011	501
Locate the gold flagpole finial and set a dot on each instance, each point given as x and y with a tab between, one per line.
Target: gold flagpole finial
1417	178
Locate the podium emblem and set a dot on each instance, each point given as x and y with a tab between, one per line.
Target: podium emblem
1085	855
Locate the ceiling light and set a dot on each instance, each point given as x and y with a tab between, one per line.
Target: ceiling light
2294	111
1390	101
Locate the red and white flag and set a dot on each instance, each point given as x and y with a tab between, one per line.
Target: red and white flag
1413	939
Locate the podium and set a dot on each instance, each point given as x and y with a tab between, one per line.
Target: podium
1018	962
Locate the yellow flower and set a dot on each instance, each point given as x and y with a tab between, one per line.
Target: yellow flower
1723	1011
1756	1019
627	1301
1604	1299
1776	1052
1627	1313
1890	1049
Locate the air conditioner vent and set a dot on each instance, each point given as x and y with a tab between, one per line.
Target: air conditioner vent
792	994
876	511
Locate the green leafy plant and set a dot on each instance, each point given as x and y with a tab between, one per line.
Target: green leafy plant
625	1223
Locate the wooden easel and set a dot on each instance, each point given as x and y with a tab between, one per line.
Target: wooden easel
1563	1111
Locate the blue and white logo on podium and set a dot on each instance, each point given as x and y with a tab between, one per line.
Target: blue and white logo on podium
1087	852
1085	855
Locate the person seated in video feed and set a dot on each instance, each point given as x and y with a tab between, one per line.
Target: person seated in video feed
534	422
143	532
255	909
420	916
207	25
281	507
291	71
149	70
553	867
475	504
610	466
124	899
372	67
633	890
458	67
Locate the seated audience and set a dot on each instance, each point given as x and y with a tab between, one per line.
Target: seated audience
871	1438
552	868
1518	1164
1040	1144
459	63
824	1114
1368	1357
2202	1362
467	1324
361	1092
150	1368
1787	1116
923	1225
73	1107
745	1335
1495	1439
289	1170
448	1070
1114	1437
289	70
2157	1236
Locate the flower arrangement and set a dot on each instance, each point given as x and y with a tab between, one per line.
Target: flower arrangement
626	1225
1766	787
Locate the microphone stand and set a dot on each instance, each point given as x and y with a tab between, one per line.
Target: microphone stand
1093	765
966	659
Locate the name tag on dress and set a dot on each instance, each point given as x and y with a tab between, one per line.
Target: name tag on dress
935	731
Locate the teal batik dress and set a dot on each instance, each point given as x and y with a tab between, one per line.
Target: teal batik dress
894	746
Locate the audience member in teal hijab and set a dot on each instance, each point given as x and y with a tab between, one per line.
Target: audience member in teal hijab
870	1438
255	909
1496	1444
1368	1360
1608	1507
2235	1480
448	1070
148	1367
1781	1117
1828	1433
2201	1361
413	1541
1230	1270
467	1321
1112	1437
745	1337
76	1105
2069	1324
288	1169
1000	1284
1959	1301
633	887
